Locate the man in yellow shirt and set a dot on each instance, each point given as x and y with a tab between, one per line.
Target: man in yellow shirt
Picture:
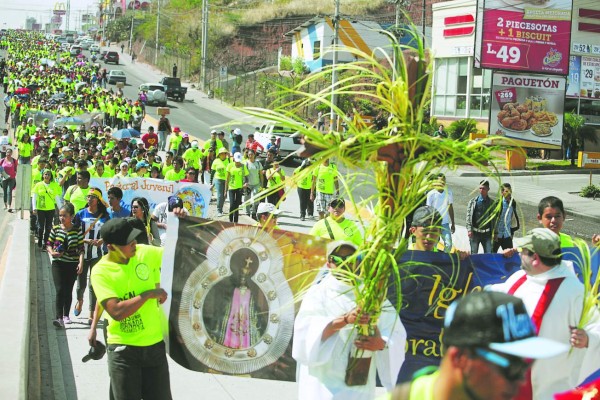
127	284
193	156
77	194
336	226
324	186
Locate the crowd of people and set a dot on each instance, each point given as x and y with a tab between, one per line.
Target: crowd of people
85	235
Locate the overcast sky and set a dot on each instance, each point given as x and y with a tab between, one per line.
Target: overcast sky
14	12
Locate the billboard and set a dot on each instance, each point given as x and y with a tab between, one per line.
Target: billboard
524	35
528	108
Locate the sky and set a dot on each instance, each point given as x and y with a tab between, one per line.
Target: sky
14	12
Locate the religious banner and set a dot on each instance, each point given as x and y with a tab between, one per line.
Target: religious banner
525	35
528	108
232	290
195	196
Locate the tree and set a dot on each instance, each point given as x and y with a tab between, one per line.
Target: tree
575	133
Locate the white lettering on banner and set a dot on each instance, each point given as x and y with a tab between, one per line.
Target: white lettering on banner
530	82
531	26
515	326
195	196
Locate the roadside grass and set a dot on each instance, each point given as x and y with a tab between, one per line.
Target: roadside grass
541	165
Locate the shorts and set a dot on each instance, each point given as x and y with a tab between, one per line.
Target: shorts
322	202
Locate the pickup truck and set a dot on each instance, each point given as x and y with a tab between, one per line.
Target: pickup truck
174	88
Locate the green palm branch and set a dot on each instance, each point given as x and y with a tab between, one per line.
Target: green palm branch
397	158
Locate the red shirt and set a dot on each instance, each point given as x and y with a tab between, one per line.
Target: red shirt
254	145
10	167
150	140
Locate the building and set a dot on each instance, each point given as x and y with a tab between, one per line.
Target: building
312	41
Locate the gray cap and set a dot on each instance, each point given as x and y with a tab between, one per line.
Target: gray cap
426	216
541	241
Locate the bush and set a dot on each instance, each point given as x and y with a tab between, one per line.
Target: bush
460	130
592	191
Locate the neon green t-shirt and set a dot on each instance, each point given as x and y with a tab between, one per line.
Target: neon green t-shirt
566	240
46	195
345	230
220	168
123	282
175	176
305	183
77	196
192	157
236	175
275	178
325	178
174	141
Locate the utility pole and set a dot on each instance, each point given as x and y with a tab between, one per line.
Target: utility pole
204	42
157	28
68	15
130	34
334	60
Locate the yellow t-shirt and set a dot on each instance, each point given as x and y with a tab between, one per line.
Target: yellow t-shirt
345	230
175	176
123	282
305	183
192	157
236	175
46	195
220	168
77	196
325	178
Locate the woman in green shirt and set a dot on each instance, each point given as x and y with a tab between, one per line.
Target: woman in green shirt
25	147
45	195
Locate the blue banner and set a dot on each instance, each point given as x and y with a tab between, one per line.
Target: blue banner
431	281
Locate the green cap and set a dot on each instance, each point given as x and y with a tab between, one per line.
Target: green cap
541	241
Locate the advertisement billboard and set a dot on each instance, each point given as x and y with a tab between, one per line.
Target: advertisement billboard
524	35
528	108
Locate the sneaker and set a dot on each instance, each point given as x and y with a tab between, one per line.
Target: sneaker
66	320
302	219
58	322
220	214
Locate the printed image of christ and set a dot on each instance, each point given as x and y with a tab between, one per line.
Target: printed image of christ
235	312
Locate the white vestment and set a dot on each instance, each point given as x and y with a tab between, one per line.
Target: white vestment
322	364
563	372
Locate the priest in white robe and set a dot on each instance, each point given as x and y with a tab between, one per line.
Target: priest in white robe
324	336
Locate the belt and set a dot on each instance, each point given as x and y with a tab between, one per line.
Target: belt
481	230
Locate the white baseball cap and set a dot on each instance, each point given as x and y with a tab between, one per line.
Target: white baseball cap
237	157
264	208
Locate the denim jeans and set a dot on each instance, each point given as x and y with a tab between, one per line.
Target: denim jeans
138	372
220	191
484	238
447	237
250	199
162	140
235	200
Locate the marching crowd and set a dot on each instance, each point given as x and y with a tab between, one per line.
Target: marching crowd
47	95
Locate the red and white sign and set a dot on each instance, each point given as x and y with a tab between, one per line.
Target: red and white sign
526	35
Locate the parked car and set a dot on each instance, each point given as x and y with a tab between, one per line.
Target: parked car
288	140
64	46
156	94
95	47
116	75
75	50
174	88
111	57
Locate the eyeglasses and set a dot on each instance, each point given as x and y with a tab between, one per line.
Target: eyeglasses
511	367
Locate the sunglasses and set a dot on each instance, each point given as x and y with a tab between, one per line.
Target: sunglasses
338	259
512	368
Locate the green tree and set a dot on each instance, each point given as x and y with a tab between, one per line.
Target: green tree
575	133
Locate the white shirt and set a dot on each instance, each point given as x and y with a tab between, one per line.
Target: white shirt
563	372
322	364
441	201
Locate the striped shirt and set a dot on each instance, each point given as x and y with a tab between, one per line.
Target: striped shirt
70	242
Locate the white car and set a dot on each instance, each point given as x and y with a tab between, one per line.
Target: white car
155	94
288	140
75	50
85	44
95	47
116	75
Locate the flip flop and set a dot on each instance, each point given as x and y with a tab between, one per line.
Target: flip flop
78	307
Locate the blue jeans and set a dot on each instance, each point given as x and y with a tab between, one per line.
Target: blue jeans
139	372
220	191
484	238
447	237
162	140
249	199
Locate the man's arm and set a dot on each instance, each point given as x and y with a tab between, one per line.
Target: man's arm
451	214
120	310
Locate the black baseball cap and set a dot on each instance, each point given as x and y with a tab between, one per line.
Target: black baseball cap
118	231
95	353
426	216
499	322
337	203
